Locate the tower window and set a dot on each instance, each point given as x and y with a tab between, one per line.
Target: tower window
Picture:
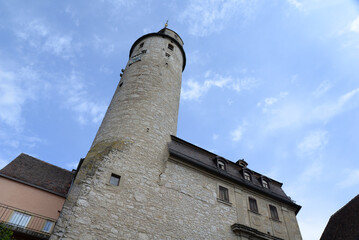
167	55
170	47
223	194
115	179
273	212
141	45
253	205
247	176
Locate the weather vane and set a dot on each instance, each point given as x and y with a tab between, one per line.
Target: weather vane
166	24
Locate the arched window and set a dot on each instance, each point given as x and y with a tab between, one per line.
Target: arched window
247	176
265	183
221	165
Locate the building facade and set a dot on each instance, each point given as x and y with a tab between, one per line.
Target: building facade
32	193
139	181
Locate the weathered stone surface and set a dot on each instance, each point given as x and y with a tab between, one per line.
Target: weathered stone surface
157	198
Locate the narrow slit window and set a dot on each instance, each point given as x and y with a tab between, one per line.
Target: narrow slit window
170	47
115	179
223	194
141	45
253	205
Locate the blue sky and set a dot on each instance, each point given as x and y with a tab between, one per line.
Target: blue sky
274	82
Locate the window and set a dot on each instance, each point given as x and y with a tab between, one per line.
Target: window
115	179
247	176
265	183
221	165
141	45
273	212
167	55
170	47
48	226
20	219
223	194
253	205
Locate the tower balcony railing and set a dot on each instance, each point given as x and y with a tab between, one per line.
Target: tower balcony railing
24	222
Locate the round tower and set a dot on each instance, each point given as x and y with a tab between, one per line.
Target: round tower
145	104
118	183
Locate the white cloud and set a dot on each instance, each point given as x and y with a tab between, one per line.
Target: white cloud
354	26
297	113
16	88
195	90
351	178
77	100
208	16
38	35
296	3
314	141
267	102
322	88
238	132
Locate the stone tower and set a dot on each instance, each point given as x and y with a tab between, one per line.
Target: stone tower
117	187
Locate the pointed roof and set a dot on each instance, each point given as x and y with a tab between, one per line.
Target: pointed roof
36	173
344	224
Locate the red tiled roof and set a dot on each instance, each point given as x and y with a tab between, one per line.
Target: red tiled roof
32	171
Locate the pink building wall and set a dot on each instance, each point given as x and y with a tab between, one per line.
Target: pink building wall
30	199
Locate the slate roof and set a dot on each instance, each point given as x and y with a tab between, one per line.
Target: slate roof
201	158
39	174
344	224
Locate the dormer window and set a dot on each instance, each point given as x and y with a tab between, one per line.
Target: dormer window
247	176
265	183
221	165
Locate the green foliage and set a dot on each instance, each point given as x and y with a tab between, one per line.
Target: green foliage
5	233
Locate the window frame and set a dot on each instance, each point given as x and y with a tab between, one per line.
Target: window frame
247	176
48	225
273	212
223	194
17	219
265	183
116	178
253	205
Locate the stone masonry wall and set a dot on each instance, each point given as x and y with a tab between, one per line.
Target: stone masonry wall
131	142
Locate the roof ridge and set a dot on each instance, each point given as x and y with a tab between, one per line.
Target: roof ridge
43	162
357	196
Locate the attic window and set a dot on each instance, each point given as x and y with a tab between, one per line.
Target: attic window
170	47
221	165
265	183
115	179
247	176
141	45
